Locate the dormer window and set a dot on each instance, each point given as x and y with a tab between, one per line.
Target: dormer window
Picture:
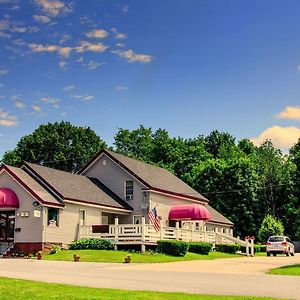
128	189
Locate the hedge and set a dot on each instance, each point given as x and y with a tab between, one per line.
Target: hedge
232	249
175	248
95	244
200	247
257	248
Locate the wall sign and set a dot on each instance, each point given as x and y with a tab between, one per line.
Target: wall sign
24	214
37	213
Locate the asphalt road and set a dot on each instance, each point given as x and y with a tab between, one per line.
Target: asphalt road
240	276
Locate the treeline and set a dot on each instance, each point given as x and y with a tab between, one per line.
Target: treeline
242	181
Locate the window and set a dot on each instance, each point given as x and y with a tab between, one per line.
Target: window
53	216
137	220
129	190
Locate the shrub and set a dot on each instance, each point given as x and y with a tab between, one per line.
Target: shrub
256	248
262	248
270	226
94	244
54	249
200	247
232	249
176	248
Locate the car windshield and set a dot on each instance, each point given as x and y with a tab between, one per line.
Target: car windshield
276	239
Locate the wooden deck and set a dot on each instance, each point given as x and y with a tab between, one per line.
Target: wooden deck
145	234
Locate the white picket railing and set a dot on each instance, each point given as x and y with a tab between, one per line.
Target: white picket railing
145	233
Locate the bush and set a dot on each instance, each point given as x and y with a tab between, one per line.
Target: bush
94	244
176	248
232	249
262	248
270	226
200	247
54	249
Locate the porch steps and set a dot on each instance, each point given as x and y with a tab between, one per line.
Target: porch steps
5	247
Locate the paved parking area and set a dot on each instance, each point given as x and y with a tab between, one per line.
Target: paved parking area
238	276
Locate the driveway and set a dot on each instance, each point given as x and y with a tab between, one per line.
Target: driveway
240	276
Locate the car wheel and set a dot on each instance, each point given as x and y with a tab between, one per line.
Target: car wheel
268	253
274	254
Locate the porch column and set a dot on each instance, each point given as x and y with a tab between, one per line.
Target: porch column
143	246
116	232
177	231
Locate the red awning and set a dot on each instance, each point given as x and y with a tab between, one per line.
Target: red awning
8	198
192	212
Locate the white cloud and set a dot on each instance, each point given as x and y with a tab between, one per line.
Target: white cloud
69	88
53	8
290	113
97	33
121	88
7	119
282	137
131	56
118	35
3	72
121	45
36	108
87	46
20	29
65	51
93	65
43	48
49	100
41	19
65	38
85	97
62	64
19	104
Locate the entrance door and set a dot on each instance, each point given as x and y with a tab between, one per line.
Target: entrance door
7	226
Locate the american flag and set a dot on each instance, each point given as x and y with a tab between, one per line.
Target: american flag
153	217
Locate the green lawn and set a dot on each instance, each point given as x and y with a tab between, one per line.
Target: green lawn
287	270
30	290
118	256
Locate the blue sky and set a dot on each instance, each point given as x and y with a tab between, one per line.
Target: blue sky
187	66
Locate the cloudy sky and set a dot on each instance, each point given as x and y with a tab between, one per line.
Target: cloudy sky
184	65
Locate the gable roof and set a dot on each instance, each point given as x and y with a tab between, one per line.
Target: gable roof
216	217
153	177
76	187
32	186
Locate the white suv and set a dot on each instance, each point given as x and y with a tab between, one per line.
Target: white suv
280	245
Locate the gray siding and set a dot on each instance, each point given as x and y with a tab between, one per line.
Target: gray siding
68	224
31	227
114	177
164	204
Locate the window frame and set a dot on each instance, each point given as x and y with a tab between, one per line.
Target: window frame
128	196
57	216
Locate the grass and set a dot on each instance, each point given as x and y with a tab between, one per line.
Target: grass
30	290
118	256
293	270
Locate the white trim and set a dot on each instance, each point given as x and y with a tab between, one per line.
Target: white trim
136	216
26	190
84	219
121	210
177	197
100	156
125	188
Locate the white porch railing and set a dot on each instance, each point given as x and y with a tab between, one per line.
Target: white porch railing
145	233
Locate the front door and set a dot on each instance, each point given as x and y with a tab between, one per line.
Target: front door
7	226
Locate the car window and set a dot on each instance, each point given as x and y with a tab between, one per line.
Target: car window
276	239
288	240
